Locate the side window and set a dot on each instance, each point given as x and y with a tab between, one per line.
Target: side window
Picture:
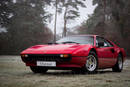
98	39
106	43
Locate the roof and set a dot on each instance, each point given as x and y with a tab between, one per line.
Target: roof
85	35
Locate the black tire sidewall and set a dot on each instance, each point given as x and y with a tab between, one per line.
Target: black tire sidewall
116	68
122	62
85	68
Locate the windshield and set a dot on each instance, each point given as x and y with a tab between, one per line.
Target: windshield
77	39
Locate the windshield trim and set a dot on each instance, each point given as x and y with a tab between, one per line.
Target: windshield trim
91	43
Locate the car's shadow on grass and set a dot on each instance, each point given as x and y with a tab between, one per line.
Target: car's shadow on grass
61	73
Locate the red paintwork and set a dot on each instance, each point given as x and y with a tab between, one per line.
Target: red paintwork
79	53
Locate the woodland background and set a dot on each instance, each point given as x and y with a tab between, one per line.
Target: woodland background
23	23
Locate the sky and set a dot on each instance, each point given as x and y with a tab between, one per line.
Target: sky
83	16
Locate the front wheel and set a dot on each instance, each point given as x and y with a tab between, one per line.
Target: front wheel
37	69
119	64
91	63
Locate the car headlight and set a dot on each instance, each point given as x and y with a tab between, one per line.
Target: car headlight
64	55
24	55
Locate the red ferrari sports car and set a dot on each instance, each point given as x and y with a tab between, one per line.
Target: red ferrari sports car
85	53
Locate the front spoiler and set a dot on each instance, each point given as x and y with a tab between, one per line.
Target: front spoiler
76	62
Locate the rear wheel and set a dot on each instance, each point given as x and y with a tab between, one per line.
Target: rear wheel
119	65
37	69
91	63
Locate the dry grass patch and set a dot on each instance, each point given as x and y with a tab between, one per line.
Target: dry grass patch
13	73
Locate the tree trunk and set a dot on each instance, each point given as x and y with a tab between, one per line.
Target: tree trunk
55	23
104	10
65	22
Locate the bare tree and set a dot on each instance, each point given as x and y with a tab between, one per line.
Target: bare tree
55	21
71	8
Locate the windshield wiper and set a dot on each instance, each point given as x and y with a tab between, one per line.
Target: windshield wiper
70	42
52	43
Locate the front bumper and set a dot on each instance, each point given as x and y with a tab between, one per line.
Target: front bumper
63	63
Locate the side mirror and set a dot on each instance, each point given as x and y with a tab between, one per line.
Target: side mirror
100	44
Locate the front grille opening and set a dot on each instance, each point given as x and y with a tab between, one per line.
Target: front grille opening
46	57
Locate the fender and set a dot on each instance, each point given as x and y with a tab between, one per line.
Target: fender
123	53
83	50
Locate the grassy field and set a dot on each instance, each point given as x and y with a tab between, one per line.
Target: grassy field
13	73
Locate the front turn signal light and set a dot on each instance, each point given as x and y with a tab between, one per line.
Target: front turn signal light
64	55
22	55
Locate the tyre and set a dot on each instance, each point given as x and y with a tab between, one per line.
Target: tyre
119	64
37	69
91	65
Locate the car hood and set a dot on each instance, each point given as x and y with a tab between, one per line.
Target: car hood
52	49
